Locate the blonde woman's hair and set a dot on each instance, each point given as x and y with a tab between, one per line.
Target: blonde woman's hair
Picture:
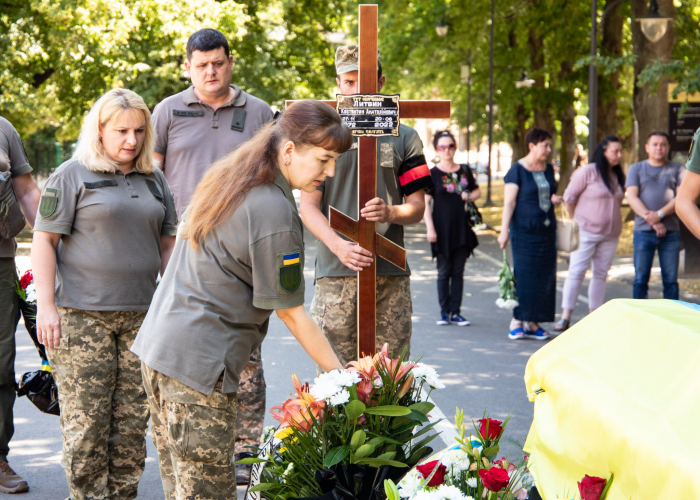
228	181
108	108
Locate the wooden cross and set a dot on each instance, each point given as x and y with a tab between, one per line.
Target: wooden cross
362	231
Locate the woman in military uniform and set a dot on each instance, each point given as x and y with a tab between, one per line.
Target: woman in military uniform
105	228
239	255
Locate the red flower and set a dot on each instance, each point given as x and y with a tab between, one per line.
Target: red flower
427	469
494	479
591	487
495	428
26	279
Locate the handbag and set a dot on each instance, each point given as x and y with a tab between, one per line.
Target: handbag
470	208
11	218
568	238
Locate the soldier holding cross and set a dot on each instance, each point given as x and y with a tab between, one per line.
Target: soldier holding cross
402	178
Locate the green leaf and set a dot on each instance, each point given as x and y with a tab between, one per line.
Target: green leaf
358	439
607	486
251	460
376	462
336	455
363	451
425	429
265	486
424	407
354	409
388	411
387	456
490	451
377	441
392	492
418	416
386	439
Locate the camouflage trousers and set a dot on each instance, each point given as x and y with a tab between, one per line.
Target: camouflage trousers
334	309
194	436
104	410
251	404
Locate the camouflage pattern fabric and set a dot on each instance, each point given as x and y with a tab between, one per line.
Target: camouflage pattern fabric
9	317
104	410
194	436
334	309
251	404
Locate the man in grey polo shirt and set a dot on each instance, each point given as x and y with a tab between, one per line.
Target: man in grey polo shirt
13	159
194	129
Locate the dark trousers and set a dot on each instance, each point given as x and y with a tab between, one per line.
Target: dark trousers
9	318
645	244
450	282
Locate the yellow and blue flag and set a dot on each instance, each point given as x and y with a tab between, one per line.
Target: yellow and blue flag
290	258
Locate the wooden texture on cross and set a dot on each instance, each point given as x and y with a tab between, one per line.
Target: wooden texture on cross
363	231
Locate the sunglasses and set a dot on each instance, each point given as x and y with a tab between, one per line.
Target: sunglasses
446	147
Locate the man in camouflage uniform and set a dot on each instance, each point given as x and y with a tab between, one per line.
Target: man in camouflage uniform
194	129
13	159
402	178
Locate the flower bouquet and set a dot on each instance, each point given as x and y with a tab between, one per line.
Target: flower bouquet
343	436
592	488
507	297
468	470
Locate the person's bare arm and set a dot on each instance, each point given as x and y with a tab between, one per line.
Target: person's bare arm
686	207
158	160
28	196
48	322
635	203
350	253
652	216
167	243
475	195
409	212
570	208
310	337
429	225
510	195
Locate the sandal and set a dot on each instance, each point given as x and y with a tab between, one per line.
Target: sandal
539	334
562	325
517	332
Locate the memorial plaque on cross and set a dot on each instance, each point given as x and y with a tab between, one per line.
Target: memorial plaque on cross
369	126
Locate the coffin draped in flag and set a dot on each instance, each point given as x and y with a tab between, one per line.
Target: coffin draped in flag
620	393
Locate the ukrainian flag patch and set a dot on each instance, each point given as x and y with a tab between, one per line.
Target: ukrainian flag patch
290	258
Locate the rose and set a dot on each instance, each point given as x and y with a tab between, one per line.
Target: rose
26	279
494	479
591	487
427	469
495	428
450	188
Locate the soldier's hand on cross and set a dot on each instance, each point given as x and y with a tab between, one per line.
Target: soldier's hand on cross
376	210
352	255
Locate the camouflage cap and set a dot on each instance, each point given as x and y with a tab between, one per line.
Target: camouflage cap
693	163
347	59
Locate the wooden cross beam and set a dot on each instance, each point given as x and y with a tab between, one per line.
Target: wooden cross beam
362	231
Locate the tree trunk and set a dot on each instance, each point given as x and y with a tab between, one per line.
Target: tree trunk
568	133
651	106
518	144
609	86
542	109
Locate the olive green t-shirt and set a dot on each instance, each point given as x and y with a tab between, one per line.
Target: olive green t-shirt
693	163
13	159
109	254
401	170
212	308
192	135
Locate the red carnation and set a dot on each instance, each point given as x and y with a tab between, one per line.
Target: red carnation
26	279
591	487
495	428
494	479
427	469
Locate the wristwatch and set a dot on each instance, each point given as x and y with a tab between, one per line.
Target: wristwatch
660	214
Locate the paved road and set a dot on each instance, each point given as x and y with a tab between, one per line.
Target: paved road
481	368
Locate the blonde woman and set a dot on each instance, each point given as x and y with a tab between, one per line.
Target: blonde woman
105	228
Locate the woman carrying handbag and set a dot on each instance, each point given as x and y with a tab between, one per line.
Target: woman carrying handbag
594	199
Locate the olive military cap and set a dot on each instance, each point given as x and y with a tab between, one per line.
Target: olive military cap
693	163
347	59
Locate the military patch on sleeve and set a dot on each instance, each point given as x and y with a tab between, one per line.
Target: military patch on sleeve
49	202
290	271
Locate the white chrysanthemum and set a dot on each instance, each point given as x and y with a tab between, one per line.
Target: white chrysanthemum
511	304
451	493
340	398
472	482
324	388
344	378
409	484
427	373
457	459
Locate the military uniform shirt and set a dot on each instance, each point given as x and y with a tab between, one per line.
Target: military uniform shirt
401	171
693	163
192	135
109	256
13	158
212	308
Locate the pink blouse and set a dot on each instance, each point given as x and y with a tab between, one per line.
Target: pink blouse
598	211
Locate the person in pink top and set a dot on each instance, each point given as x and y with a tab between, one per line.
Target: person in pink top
594	198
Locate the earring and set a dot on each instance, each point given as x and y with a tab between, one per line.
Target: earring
286	161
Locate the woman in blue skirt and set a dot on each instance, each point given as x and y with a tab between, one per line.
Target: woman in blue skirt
529	221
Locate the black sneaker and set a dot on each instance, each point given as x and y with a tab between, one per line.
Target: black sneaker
444	320
461	321
243	470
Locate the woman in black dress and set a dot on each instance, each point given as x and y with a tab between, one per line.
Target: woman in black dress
449	226
529	221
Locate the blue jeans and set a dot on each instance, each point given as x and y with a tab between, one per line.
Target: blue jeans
645	244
